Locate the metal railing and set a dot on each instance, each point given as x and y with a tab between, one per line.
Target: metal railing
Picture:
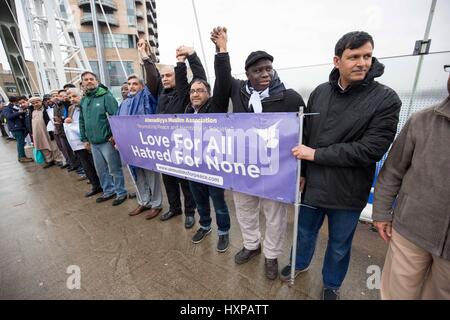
106	3
87	18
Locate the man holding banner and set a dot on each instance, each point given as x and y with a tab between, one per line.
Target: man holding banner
201	102
356	124
262	92
173	100
142	100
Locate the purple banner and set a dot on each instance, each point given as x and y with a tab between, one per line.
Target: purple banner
244	152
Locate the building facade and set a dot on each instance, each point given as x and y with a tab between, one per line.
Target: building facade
129	21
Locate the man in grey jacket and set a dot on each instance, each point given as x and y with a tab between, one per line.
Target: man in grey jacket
411	208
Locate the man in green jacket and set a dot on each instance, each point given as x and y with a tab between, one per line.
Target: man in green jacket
97	104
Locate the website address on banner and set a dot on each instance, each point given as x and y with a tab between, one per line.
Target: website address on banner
194	175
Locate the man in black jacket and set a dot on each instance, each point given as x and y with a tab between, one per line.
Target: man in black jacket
357	123
262	92
173	99
202	102
28	109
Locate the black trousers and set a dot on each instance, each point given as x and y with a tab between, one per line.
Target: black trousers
172	185
87	162
2	128
64	146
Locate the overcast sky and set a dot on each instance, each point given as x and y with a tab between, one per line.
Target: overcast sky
295	32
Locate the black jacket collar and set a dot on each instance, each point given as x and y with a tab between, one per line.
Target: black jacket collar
376	70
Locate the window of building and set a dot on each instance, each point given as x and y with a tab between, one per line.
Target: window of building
116	75
122	40
87	38
131	12
94	67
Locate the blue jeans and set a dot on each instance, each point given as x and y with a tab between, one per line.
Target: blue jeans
19	135
201	193
341	228
109	169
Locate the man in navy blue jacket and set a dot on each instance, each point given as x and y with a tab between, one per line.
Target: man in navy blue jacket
16	124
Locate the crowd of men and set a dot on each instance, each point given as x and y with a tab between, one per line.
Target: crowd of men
355	126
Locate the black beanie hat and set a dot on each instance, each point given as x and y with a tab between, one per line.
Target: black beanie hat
255	56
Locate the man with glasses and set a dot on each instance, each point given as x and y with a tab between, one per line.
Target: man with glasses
411	207
202	102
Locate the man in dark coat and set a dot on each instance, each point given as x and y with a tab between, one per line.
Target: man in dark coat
173	99
16	124
356	124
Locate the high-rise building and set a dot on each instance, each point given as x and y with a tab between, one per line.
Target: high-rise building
129	21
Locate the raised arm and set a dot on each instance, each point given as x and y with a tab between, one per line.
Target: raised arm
222	69
181	80
196	65
152	76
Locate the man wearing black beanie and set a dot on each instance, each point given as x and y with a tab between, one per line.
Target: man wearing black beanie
263	91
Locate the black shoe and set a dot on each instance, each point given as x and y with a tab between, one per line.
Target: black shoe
200	235
64	166
168	215
70	169
103	198
49	164
245	255
285	274
25	159
330	294
271	268
189	222
93	192
119	200
222	244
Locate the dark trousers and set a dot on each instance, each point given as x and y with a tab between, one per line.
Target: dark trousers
202	193
19	135
341	228
64	146
87	162
2	128
172	185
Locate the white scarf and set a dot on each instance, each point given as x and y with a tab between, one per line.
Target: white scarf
256	97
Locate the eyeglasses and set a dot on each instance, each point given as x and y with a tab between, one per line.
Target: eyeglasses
447	68
199	90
